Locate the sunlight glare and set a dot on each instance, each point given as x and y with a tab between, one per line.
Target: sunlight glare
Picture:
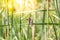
9	6
20	1
24	5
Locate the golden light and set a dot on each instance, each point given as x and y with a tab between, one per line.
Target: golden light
9	6
20	1
21	5
3	4
25	5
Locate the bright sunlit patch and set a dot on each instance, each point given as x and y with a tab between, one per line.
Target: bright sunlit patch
19	5
9	6
22	6
25	5
20	1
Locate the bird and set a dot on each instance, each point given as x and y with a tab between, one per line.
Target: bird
30	21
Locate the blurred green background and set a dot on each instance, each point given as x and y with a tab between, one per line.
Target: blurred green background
29	20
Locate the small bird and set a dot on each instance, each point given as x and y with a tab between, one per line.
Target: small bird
30	20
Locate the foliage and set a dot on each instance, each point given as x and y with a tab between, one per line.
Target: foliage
32	20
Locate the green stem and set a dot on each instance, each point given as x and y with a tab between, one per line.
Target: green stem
54	29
